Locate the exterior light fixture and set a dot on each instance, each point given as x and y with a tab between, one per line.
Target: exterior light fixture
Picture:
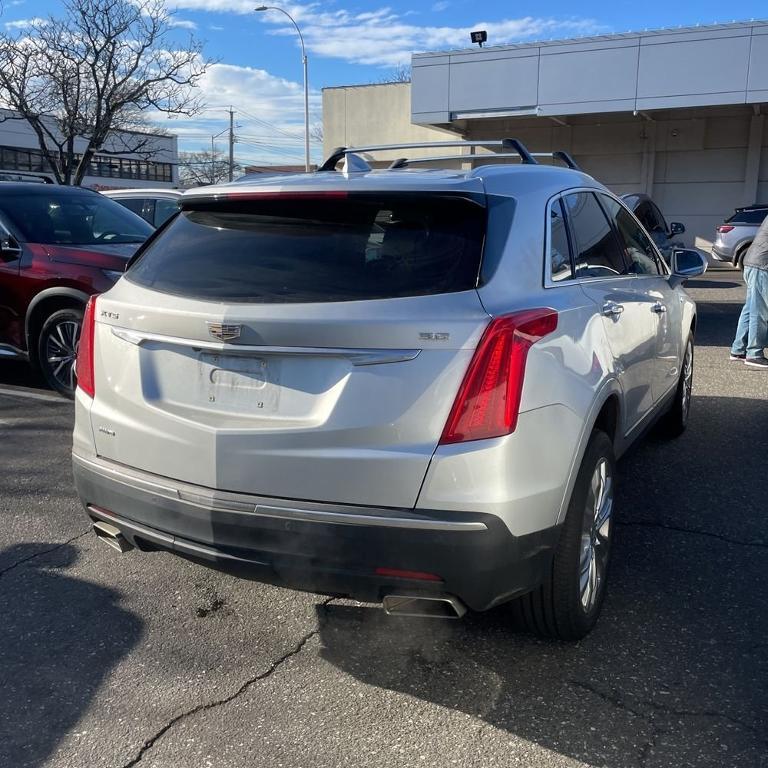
479	37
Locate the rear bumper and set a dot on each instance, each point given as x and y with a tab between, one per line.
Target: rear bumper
325	548
722	254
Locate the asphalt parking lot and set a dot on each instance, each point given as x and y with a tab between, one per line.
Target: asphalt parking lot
115	661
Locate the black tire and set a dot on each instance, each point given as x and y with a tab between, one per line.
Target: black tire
56	348
738	259
673	423
559	608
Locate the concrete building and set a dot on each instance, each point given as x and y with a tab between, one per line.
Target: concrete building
156	165
677	114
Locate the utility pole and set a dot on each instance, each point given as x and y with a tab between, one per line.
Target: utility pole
231	144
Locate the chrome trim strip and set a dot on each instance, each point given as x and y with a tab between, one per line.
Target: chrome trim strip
355	356
345	518
241	503
548	281
132	480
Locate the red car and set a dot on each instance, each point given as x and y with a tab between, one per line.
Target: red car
58	245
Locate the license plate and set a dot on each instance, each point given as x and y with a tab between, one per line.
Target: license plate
241	383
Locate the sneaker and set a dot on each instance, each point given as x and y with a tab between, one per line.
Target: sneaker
741	358
757	362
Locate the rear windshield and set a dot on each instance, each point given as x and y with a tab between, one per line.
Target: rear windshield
59	218
283	249
749	217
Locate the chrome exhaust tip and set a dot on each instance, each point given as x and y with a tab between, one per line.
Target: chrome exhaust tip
112	536
444	607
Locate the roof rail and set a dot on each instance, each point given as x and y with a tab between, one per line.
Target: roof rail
505	144
509	148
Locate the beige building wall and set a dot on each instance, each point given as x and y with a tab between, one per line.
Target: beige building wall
698	164
361	115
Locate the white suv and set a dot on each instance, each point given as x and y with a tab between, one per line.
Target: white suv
408	385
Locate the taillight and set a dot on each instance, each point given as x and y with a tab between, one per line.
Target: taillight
723	228
84	363
488	401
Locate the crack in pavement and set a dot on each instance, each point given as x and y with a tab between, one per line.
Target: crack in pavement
647	750
695	531
152	740
43	552
656	708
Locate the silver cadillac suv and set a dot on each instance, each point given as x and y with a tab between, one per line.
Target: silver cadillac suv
407	385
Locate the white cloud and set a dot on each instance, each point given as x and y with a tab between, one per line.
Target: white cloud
214	28
181	23
442	5
269	115
23	23
383	37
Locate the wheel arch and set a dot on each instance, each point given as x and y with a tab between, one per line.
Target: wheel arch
605	414
45	303
740	251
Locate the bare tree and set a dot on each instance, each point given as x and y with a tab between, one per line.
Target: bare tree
80	78
197	169
401	74
316	132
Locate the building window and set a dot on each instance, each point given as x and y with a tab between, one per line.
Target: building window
13	159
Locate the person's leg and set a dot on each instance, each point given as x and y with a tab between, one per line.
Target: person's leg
758	314
739	346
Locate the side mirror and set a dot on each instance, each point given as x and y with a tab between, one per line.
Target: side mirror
676	228
9	248
686	263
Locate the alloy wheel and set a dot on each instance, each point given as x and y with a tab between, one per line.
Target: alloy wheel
687	382
61	351
595	535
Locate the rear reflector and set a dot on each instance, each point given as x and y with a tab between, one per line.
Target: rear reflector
723	228
85	348
398	574
488	401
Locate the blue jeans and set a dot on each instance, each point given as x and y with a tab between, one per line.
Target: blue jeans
752	330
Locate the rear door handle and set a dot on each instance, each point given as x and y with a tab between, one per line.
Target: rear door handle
658	308
611	309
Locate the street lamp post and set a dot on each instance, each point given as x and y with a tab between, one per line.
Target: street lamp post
306	79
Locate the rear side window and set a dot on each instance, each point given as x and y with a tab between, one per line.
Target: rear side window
164	209
134	204
597	251
317	248
748	217
559	249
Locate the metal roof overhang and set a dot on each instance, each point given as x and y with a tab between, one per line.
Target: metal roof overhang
659	70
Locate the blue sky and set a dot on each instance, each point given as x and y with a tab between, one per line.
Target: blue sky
358	41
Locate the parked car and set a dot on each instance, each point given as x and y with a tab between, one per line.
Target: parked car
666	236
401	386
28	176
736	234
153	205
58	245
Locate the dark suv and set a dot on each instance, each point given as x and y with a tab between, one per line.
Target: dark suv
58	245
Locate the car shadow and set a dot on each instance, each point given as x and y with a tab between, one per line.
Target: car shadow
717	322
675	673
21	374
60	637
709	284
